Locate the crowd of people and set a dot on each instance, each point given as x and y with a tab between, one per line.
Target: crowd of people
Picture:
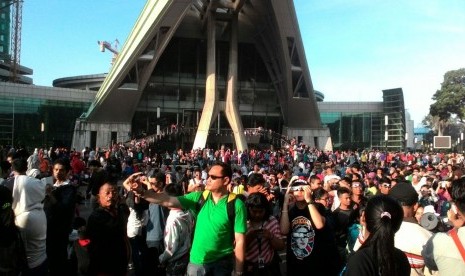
218	212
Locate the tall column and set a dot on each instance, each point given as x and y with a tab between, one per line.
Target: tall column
231	106
210	110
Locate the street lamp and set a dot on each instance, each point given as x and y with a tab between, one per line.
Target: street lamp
158	120
406	140
386	134
461	139
42	130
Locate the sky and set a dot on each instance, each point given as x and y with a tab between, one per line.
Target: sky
354	48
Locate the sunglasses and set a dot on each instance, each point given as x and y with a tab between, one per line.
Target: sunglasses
324	198
297	188
356	185
214	177
301	235
387	186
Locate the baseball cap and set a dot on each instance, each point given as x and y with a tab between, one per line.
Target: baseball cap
404	193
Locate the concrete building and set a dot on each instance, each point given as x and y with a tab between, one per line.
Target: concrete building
208	66
383	125
212	68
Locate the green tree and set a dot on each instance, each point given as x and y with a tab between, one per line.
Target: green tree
450	99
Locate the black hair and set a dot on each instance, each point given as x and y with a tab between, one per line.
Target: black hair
347	179
255	179
318	193
64	162
424	185
383	217
138	207
457	192
173	190
384	179
19	165
225	169
313	178
343	190
160	177
258	200
5	166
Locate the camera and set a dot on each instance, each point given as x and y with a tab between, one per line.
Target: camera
261	263
434	223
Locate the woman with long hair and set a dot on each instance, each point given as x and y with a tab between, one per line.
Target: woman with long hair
378	256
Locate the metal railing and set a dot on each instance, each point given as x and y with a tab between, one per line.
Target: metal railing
267	136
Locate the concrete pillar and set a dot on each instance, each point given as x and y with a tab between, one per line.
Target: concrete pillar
210	109
231	106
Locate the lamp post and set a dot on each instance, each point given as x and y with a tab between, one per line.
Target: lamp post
386	134
42	130
461	139
415	140
406	141
158	121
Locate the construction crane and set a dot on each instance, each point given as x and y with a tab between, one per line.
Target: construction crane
16	25
107	45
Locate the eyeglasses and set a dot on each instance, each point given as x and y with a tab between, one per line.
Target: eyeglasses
387	186
324	198
297	188
214	177
356	185
301	235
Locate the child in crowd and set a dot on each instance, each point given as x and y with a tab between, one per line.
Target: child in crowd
178	236
263	238
79	246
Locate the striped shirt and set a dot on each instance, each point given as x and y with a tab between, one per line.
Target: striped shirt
265	251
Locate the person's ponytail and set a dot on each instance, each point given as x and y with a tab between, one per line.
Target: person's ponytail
383	217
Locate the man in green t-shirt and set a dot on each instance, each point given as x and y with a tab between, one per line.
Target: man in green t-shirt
213	248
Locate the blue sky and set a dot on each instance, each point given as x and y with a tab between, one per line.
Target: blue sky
354	48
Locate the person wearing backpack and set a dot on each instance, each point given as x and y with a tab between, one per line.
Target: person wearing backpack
219	237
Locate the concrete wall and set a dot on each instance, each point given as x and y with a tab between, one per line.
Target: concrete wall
308	135
83	129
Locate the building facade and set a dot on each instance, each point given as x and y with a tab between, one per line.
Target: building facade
358	125
38	116
208	66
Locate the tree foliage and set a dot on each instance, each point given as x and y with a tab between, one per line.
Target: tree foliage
450	99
